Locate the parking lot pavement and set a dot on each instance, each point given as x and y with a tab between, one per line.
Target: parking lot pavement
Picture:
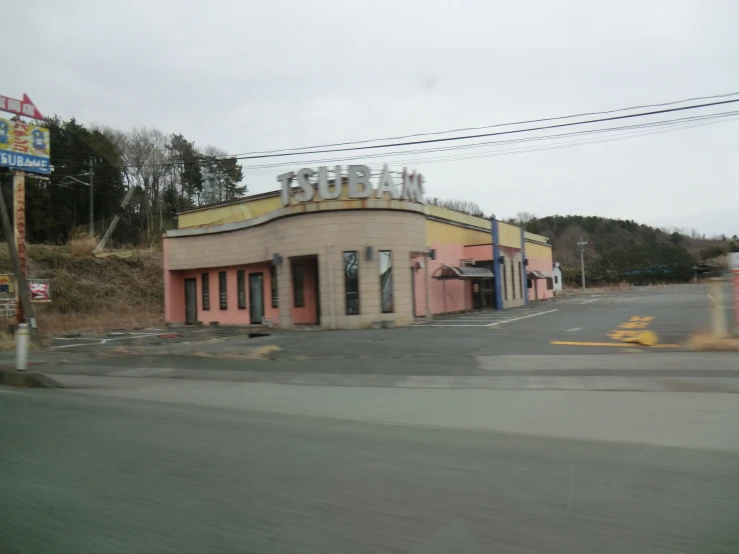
151	336
490	318
446	345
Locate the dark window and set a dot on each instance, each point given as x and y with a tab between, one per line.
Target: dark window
556	279
298	286
520	279
273	284
529	283
505	280
205	284
550	284
351	282
223	293
241	288
386	281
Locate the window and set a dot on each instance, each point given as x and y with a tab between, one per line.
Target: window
273	284
351	282
241	288
222	289
386	281
205	285
520	279
298	286
556	279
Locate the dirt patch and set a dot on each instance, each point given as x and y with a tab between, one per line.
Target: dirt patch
706	342
259	353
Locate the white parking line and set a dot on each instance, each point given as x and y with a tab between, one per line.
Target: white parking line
103	341
501	321
524	317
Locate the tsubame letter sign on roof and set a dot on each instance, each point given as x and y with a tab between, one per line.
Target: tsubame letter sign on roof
360	185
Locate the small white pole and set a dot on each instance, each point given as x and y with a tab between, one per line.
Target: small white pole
21	347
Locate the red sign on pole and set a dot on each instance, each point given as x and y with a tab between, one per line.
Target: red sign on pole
20	107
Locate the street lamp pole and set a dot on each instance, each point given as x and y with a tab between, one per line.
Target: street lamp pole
581	245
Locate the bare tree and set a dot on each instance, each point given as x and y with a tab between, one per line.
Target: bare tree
522	218
462	206
147	156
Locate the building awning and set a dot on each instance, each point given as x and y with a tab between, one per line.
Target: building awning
462	272
536	274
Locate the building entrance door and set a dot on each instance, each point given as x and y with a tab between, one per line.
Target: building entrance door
191	301
482	294
256	297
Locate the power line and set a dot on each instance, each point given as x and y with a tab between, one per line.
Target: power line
467	137
466	129
531	149
483	135
667	123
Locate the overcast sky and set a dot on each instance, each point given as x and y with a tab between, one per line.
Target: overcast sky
248	75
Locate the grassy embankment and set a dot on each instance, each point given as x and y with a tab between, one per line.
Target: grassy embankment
93	294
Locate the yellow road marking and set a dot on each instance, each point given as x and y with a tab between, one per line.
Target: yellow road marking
566	343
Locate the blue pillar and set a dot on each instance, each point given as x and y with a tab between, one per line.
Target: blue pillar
496	264
524	280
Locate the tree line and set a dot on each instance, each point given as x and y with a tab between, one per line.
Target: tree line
168	173
626	251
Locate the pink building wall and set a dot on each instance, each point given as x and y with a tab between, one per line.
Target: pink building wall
175	293
544	265
458	292
479	252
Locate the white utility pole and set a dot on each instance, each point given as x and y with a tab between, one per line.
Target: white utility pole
581	245
92	224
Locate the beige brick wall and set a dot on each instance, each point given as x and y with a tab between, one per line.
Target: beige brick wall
322	234
515	285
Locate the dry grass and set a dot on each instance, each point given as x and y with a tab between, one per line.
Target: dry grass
82	245
706	342
122	316
7	341
96	294
259	353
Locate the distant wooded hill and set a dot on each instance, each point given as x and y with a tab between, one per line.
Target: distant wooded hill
624	250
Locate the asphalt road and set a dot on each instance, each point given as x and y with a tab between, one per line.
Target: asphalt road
85	473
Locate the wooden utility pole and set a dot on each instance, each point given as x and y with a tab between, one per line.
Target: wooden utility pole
24	305
19	222
101	246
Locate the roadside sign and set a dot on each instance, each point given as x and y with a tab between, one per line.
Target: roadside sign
24	146
40	290
20	107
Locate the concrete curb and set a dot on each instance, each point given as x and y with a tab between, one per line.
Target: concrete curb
666	383
28	379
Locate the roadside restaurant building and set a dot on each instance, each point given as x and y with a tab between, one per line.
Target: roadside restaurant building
345	249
